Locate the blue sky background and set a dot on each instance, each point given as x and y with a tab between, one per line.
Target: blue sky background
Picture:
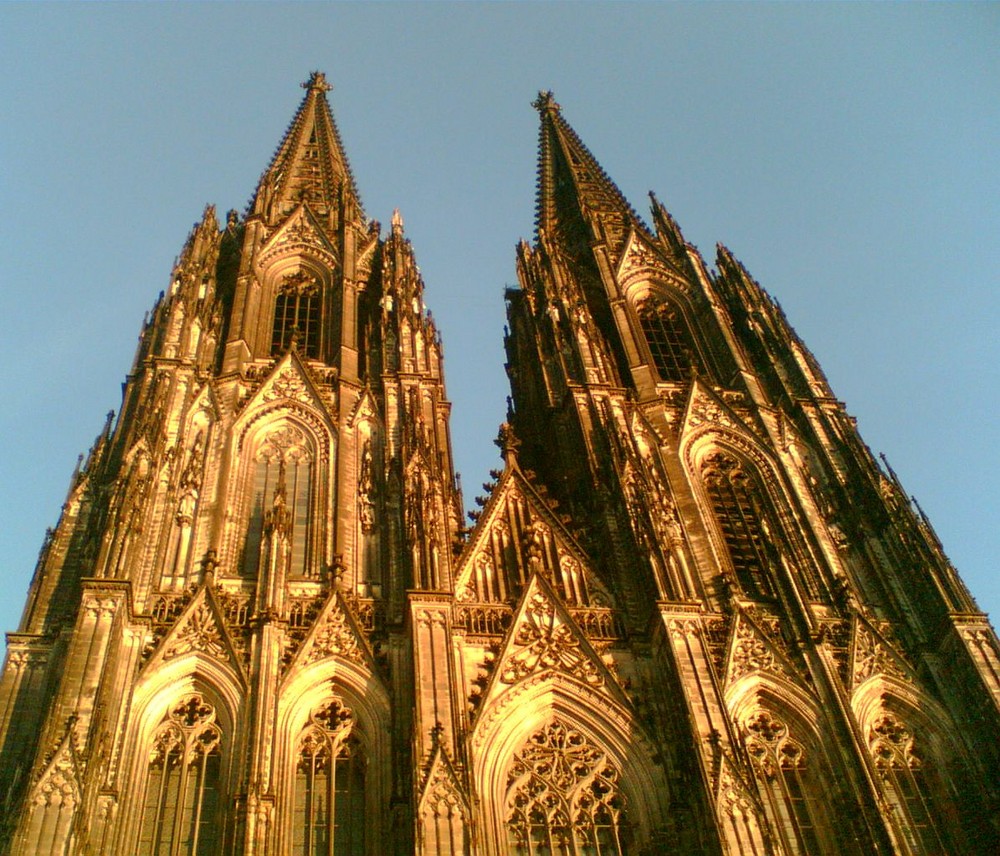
846	153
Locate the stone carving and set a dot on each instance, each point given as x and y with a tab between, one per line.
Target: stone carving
288	384
562	782
366	490
872	657
750	653
334	636
198	632
543	641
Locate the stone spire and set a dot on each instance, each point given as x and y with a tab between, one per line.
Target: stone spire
573	186
309	165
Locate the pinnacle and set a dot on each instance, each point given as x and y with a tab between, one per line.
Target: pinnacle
317	82
546	101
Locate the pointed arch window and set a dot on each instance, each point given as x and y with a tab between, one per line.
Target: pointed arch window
297	314
182	800
668	338
283	467
735	499
329	800
563	798
780	764
904	776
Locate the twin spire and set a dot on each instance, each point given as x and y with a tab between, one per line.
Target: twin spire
310	166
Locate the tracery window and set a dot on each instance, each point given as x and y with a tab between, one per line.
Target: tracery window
329	800
297	312
780	762
734	496
668	338
905	779
283	464
182	800
563	797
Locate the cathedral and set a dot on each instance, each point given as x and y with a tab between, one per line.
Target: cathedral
691	613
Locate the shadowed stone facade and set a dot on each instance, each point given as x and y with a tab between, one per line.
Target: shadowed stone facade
692	614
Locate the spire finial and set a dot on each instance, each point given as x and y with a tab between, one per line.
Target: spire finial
545	101
317	81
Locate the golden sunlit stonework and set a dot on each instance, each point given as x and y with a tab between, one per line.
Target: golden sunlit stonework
691	615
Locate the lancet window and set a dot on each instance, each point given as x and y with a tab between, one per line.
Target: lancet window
904	775
329	799
563	797
297	313
283	469
735	499
781	765
182	797
668	339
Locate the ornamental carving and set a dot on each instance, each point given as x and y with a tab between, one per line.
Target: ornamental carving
750	653
706	409
872	657
544	641
335	636
442	795
769	746
189	732
199	632
562	787
332	717
288	384
366	490
892	744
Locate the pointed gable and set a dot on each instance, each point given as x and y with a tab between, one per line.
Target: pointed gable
441	791
61	779
544	639
706	409
642	260
756	647
300	233
872	654
519	534
289	381
199	629
335	634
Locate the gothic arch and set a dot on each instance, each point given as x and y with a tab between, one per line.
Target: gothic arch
665	330
199	682
303	269
773	524
305	431
604	723
919	766
782	729
343	704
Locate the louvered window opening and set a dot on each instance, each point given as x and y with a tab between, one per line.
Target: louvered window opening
669	343
731	492
297	313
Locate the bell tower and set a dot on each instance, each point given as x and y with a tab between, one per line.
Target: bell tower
237	553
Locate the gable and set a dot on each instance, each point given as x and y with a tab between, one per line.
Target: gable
519	534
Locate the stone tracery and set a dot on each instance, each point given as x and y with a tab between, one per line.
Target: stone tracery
563	796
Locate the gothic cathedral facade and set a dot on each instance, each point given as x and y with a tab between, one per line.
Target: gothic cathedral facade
692	614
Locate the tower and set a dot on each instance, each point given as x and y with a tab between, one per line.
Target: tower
692	614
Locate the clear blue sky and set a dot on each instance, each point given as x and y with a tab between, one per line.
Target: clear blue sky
846	153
